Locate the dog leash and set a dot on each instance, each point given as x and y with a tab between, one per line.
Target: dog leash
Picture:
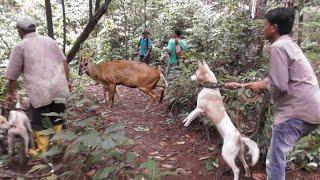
210	85
246	94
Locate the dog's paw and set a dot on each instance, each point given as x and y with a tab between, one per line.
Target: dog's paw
186	124
185	120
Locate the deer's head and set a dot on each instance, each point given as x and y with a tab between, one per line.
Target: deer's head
84	63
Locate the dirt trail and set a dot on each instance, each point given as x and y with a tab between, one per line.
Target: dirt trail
162	136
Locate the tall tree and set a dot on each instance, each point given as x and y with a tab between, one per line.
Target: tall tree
64	26
145	13
87	30
124	9
49	18
300	21
90	9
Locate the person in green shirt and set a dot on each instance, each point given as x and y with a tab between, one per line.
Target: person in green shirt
176	48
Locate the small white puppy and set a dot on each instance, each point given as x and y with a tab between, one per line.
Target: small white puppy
18	124
210	102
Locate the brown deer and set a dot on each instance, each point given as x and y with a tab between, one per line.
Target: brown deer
132	74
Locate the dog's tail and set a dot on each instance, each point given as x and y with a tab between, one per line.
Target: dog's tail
253	149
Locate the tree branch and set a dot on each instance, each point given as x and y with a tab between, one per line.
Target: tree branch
5	42
87	30
97	6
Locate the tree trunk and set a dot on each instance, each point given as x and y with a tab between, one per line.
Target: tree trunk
300	21
90	9
64	27
125	29
97	6
145	13
87	30
49	18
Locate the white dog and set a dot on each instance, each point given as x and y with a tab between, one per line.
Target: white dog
18	124
210	102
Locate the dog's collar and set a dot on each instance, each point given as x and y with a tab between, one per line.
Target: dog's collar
18	109
209	85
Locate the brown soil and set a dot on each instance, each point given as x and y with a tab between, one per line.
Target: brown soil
170	143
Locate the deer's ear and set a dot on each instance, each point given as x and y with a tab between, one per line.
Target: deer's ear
200	64
80	56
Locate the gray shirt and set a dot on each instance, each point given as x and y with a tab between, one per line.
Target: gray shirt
40	61
292	83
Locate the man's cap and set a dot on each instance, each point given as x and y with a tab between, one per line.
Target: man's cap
26	23
146	31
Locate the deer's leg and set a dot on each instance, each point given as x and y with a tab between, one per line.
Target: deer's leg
150	92
111	90
161	94
105	89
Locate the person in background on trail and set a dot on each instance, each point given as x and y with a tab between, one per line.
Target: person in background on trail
145	47
294	90
44	69
176	48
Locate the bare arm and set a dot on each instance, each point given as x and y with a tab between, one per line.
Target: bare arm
66	69
11	90
259	85
255	86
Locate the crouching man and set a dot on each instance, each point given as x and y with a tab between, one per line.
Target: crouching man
45	76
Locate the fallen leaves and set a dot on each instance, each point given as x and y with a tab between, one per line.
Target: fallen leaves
141	129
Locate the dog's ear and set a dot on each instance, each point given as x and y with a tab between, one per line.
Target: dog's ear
200	64
205	65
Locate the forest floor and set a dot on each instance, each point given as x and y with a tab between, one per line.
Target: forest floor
159	134
163	137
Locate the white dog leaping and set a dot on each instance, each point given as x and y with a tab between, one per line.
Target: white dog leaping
210	102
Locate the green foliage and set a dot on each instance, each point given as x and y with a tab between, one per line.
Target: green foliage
85	146
221	33
211	164
153	172
306	151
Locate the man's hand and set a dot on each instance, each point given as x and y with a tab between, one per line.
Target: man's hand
70	86
232	85
10	97
258	86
